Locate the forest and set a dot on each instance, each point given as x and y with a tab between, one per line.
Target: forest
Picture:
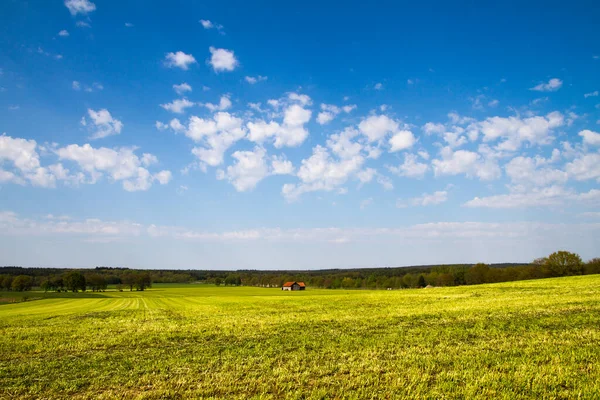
560	263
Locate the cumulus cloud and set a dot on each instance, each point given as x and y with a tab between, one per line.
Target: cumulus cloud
120	165
102	124
251	167
465	162
426	199
208	24
179	60
376	127
177	106
551	196
590	137
182	88
80	6
216	134
290	132
527	171
584	167
63	33
401	140
321	172
255	79
222	60
410	168
515	130
551	86
224	104
591	94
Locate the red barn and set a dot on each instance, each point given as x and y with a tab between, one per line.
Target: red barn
293	286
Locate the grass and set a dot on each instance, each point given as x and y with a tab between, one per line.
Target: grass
528	339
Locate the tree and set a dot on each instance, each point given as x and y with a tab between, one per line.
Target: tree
96	282
421	281
7	282
128	280
22	283
74	281
563	263
477	274
218	281
143	280
592	266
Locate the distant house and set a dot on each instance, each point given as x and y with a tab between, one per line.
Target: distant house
293	286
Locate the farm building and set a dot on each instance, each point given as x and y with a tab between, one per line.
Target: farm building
293	286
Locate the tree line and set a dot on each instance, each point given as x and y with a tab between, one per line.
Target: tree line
75	281
560	263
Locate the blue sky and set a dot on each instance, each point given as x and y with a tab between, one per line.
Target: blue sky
273	135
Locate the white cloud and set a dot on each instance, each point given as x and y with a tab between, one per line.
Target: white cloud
434	128
250	168
493	103
83	24
465	162
321	172
343	145
182	88
545	197
303	99
217	135
525	171
76	85
349	108
552	86
161	126
378	86
80	6
590	137
252	79
163	177
584	167
591	94
129	25
410	168
222	59
179	60
290	133
149	159
63	33
325	117
430	199
224	104
401	140
366	175
119	164
515	130
104	124
376	127
281	166
22	154
178	106
207	24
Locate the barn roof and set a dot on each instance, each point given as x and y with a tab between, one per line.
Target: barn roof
289	284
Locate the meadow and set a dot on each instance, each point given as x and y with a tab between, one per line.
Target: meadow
526	339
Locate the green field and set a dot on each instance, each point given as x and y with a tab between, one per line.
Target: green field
527	339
